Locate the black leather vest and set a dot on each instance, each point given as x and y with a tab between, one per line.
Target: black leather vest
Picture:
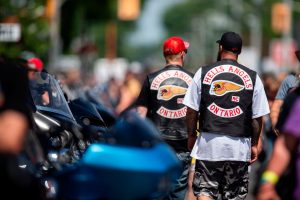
168	87
226	98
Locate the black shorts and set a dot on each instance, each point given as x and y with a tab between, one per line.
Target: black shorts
225	179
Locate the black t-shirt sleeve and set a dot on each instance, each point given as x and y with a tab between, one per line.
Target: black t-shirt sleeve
286	108
144	97
14	87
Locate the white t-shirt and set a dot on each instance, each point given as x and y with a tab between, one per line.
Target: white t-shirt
219	147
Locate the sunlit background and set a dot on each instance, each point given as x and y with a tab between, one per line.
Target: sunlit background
131	31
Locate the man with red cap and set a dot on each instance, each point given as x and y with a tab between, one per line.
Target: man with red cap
34	65
161	99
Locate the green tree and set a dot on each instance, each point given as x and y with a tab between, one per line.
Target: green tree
34	27
204	21
89	20
83	20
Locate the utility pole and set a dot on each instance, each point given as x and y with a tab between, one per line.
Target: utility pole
287	36
54	17
111	40
282	24
127	10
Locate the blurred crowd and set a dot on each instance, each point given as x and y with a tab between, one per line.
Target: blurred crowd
116	94
120	95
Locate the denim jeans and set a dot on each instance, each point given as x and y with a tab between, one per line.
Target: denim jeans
179	188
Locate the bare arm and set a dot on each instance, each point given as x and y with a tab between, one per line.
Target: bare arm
256	139
275	110
291	142
142	111
257	130
278	163
191	121
280	157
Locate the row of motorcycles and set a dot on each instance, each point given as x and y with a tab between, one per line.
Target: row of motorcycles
78	149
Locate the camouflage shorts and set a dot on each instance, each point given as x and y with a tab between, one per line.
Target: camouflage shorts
221	179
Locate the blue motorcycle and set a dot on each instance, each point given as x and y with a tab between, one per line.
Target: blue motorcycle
132	162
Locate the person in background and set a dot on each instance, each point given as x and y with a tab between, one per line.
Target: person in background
231	101
13	81
129	91
285	152
14	124
291	81
279	151
271	84
161	99
34	65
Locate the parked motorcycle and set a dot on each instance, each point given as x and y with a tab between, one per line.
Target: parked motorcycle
94	128
107	114
132	162
54	122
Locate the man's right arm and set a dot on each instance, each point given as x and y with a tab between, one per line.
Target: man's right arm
142	102
191	121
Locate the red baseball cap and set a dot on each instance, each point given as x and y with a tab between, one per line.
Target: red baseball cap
174	45
35	64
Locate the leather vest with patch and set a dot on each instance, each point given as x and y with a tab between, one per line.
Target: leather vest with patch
168	87
226	98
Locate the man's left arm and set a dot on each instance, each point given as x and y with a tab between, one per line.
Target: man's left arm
192	100
142	101
256	140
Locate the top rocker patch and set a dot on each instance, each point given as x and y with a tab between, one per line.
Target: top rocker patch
211	74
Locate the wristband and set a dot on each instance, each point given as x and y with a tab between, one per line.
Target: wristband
269	177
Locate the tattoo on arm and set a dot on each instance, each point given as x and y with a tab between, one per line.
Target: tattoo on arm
257	128
191	121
